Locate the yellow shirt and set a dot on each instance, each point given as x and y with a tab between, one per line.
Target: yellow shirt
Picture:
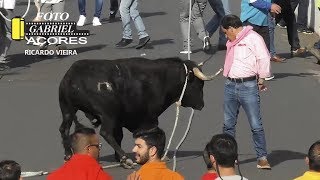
158	171
309	175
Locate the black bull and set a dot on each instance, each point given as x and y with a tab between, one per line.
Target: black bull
130	93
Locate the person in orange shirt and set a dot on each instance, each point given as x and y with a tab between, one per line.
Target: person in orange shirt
148	149
83	165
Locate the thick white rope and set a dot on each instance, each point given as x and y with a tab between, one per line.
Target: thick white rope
182	140
178	103
22	16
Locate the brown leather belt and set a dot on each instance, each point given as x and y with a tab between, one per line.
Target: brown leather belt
241	80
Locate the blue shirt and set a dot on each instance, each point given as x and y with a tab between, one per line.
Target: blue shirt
255	11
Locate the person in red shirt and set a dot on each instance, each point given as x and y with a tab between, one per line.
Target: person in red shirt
149	147
83	165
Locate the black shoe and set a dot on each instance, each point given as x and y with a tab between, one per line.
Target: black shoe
112	15
124	42
206	44
143	42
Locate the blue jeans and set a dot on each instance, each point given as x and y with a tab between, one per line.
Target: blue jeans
271	25
221	8
244	94
128	10
82	7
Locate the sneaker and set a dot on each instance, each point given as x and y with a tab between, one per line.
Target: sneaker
277	58
305	30
185	52
298	52
269	78
81	21
3	60
263	164
282	26
206	44
124	42
96	21
143	42
112	15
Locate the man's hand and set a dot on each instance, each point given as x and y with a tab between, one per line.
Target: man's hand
133	176
262	87
275	8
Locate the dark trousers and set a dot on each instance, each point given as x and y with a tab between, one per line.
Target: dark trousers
287	14
263	31
302	19
114	5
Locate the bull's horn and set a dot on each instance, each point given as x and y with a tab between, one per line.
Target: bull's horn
200	64
203	77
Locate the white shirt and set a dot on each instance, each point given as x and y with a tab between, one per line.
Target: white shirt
7	4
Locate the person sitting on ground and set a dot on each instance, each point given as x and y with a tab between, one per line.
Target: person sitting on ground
223	153
83	164
10	170
313	161
211	173
149	148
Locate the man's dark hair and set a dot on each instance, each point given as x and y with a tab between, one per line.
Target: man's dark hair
314	156
224	148
9	170
81	138
206	158
231	21
153	137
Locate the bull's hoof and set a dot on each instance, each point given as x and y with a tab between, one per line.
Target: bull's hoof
126	162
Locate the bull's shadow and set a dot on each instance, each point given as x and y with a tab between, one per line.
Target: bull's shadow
284	75
278	156
180	154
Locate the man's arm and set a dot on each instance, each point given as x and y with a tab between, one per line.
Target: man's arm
261	4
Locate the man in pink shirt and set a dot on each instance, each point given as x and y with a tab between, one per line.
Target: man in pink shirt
246	65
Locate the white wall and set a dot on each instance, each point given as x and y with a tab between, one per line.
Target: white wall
314	17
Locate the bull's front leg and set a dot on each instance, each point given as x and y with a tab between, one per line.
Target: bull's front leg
108	134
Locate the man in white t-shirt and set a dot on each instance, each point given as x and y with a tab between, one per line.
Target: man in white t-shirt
223	153
6	9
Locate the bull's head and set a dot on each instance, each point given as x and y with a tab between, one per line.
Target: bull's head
193	96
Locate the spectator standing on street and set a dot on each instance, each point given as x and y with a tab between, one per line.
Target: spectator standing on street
149	148
128	11
271	25
313	161
96	16
246	65
83	164
6	9
197	9
10	170
255	13
221	8
287	14
302	18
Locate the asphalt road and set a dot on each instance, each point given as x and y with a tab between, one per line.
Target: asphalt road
30	114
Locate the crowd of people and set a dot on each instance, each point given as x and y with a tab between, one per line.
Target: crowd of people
220	156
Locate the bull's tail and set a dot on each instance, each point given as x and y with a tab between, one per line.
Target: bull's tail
68	116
